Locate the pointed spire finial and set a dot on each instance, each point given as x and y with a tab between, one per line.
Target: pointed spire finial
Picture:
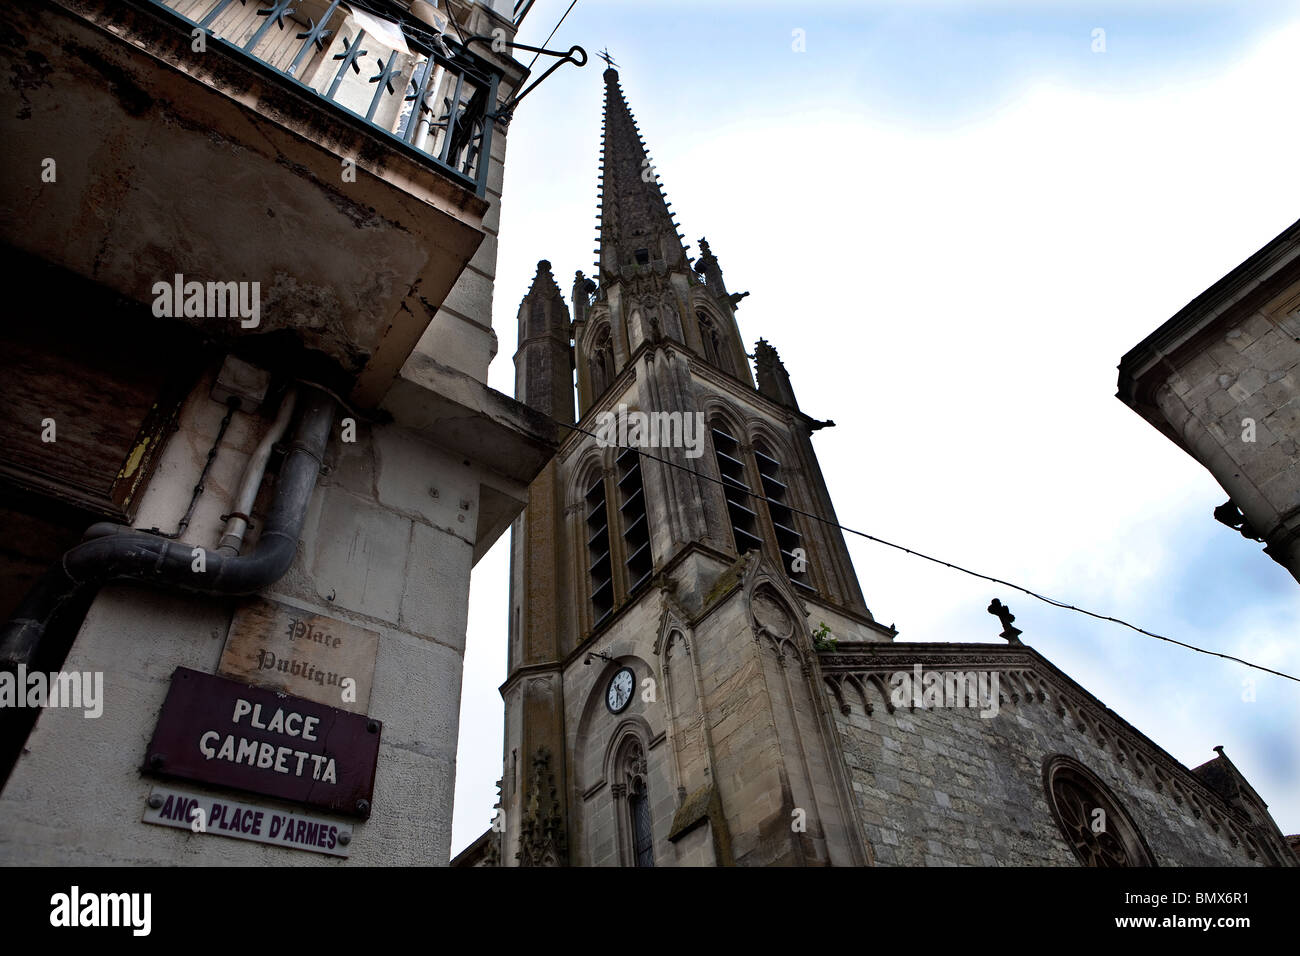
543	361
543	285
637	230
773	379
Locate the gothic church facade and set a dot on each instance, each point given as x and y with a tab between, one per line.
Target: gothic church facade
671	699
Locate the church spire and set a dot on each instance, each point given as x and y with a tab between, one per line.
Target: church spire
544	358
636	227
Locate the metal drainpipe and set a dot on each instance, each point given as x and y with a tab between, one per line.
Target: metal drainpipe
237	525
114	553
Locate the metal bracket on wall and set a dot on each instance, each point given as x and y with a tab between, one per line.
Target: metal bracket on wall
571	56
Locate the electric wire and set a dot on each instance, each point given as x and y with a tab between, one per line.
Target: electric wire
947	564
548	37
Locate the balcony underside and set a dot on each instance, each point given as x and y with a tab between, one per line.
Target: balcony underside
168	161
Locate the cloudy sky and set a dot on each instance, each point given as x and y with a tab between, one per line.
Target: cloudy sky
953	220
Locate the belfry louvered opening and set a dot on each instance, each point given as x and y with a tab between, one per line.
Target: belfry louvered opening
600	567
788	539
636	526
731	468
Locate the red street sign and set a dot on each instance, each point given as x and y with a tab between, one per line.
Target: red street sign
222	732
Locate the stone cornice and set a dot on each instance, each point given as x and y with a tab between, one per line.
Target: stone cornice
1255	279
522	671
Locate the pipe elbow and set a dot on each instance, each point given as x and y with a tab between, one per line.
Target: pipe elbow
113	552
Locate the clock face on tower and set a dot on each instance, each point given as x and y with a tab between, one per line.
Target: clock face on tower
619	694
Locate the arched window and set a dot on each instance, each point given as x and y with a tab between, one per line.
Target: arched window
743	507
616	509
788	539
735	488
600	568
638	827
715	352
601	363
1097	828
638	559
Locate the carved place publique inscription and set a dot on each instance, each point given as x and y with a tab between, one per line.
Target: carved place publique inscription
308	655
220	731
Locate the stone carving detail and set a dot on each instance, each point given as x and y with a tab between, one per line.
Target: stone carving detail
601	361
1230	514
634	768
1103	839
645	287
635	787
671	321
773	379
652	327
711	275
542	841
584	291
492	855
771	616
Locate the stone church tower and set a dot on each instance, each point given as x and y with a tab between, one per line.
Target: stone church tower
671	698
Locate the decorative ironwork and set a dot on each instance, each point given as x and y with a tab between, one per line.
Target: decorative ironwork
451	90
569	56
385	80
274	14
351	53
315	35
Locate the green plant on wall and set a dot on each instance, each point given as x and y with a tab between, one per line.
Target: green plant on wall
822	639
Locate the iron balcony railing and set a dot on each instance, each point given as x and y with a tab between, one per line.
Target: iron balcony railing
422	90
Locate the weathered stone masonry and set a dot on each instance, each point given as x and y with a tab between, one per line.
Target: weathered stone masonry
946	786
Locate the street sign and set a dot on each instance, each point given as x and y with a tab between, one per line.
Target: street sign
309	655
230	734
200	813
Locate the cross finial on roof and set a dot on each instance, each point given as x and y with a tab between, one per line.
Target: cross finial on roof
609	60
1003	614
